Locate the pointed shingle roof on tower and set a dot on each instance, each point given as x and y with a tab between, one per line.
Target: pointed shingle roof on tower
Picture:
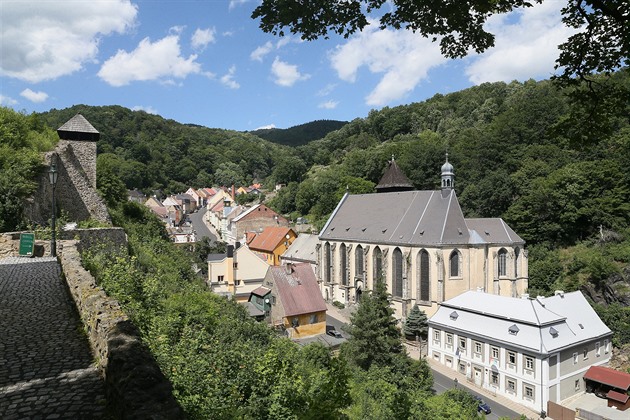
394	179
78	128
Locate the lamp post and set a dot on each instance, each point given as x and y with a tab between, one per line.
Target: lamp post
52	177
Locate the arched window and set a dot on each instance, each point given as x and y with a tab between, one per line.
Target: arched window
454	263
502	261
343	264
517	252
358	261
327	263
397	274
423	276
377	256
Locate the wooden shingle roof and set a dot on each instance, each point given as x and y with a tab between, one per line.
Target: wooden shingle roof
394	179
78	128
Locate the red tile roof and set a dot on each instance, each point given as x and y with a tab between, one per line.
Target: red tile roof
270	238
608	376
261	291
298	290
617	396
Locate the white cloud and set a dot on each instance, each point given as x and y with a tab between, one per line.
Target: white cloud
32	96
286	74
265	127
44	40
259	53
8	101
236	3
524	48
403	57
202	37
160	60
228	79
147	109
328	105
327	90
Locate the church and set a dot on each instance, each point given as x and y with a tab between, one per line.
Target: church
419	243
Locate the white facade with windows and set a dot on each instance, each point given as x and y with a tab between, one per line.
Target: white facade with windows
529	350
421	245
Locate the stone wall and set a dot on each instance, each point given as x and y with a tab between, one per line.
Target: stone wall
75	190
135	386
110	237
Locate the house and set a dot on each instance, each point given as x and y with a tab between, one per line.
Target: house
611	383
186	202
195	196
259	303
419	243
136	196
528	350
272	242
182	235
153	202
297	305
254	219
302	250
236	273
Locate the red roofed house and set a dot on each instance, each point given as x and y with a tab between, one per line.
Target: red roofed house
297	304
254	219
613	383
271	243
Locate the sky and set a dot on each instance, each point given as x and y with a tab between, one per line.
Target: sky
207	62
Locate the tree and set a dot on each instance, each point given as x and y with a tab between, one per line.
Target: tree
375	339
602	43
416	324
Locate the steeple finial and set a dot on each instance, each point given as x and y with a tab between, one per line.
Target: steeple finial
448	175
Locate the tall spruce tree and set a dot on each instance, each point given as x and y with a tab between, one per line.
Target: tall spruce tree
416	324
375	339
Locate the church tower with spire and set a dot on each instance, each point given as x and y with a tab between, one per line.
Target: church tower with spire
448	176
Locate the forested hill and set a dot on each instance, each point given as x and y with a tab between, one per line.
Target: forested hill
300	134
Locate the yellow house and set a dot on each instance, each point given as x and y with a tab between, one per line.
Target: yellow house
236	273
272	242
297	305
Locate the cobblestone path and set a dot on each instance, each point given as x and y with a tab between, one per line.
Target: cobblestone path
46	368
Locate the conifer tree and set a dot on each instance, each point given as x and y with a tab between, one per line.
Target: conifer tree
416	324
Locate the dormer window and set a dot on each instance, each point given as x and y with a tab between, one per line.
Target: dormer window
513	330
553	332
454	315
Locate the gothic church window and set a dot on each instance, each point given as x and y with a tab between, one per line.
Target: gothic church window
454	263
502	261
358	261
423	277
397	274
378	265
343	264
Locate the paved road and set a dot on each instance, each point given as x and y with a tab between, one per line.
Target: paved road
200	227
46	368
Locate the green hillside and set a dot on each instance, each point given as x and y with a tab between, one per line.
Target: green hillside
299	134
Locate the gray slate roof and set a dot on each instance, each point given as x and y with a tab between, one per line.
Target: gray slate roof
303	249
545	324
78	128
412	218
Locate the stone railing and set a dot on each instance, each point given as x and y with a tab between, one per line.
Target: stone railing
135	386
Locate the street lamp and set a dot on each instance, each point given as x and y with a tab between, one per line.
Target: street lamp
52	177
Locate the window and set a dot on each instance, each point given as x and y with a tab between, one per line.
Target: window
397	274
462	367
529	363
577	384
454	264
528	392
462	344
511	358
358	261
220	278
313	319
517	253
575	358
597	351
606	346
494	351
478	347
436	336
502	262
449	339
295	322
585	353
343	264
494	378
235	265
378	265
510	385
425	284
327	262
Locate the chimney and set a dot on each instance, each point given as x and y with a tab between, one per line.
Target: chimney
559	293
525	296
233	193
288	268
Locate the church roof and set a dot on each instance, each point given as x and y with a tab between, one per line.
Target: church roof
394	179
78	128
398	218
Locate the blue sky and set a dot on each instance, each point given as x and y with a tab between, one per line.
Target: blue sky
207	62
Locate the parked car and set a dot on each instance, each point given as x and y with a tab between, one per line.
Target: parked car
482	406
334	333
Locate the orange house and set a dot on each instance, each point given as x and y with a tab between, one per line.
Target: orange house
271	243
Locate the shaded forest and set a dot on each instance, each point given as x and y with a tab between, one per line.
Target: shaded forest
300	134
